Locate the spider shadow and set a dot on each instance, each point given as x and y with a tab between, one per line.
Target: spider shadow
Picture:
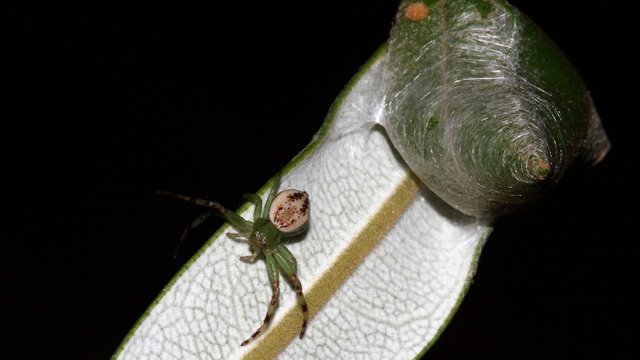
295	238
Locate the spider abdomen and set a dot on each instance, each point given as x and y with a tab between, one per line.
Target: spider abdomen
289	211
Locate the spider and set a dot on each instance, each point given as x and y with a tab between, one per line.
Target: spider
284	214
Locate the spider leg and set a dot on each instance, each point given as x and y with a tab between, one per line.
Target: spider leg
235	236
255	246
251	258
232	218
274	277
257	201
272	195
288	264
197	222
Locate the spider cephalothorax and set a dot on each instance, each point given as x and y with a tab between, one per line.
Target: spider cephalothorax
284	214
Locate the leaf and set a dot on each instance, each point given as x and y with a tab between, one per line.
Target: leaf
383	265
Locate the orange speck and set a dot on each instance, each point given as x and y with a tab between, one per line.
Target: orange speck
417	11
543	169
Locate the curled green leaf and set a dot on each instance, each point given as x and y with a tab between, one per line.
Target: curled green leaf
483	106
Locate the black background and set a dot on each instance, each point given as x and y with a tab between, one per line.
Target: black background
109	104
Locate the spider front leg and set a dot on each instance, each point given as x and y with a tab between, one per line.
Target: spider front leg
274	277
288	264
236	221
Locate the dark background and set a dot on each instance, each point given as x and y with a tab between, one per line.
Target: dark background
109	104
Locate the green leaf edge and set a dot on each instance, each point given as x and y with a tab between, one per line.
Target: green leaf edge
465	288
315	142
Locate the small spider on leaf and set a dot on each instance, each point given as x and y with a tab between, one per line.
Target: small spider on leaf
284	214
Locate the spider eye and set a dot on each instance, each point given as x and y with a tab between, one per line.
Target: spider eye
289	211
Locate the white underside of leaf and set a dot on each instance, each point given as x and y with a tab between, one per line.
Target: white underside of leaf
391	306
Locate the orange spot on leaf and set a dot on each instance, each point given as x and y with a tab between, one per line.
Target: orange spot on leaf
416	11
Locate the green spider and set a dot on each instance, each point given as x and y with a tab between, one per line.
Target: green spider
284	214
